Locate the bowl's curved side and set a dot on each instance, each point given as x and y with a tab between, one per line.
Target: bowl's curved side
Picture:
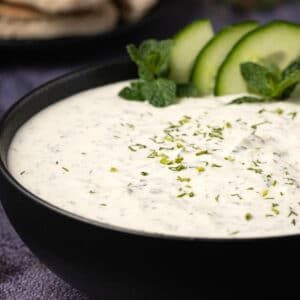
111	263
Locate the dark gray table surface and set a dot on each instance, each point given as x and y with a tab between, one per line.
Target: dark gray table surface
22	276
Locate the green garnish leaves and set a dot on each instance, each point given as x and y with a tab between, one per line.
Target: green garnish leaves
133	92
269	82
160	92
260	80
152	58
287	85
290	74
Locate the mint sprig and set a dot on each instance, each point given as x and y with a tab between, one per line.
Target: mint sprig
152	58
269	82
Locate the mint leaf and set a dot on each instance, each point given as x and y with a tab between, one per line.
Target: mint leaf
133	92
152	58
160	92
187	90
260	80
248	99
289	80
287	86
291	68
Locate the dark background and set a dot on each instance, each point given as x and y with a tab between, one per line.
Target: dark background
26	66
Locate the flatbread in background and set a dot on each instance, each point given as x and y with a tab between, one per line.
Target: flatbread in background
19	22
133	10
60	6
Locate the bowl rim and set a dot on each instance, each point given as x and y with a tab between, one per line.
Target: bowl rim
4	171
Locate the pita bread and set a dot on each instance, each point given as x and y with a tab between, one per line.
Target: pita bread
58	6
133	10
19	22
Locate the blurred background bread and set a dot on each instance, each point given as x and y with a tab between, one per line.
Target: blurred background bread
132	10
42	19
26	23
59	6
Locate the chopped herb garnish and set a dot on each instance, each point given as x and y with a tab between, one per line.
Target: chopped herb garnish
216	166
22	173
228	125
229	158
140	146
113	170
181	195
179	159
256	170
292	213
204	152
217	198
237	195
265	193
248	217
259	124
166	161
65	169
200	169
166	148
278	111
234	232
153	154
144	173
178	168
131	149
293	115
183	179
169	138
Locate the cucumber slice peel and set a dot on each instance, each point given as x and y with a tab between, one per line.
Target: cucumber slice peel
277	42
187	44
213	54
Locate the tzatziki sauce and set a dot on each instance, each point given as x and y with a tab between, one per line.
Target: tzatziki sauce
199	168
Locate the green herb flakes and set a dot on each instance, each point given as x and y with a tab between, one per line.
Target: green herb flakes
265	193
183	179
248	217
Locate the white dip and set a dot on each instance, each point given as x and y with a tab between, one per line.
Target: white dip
199	168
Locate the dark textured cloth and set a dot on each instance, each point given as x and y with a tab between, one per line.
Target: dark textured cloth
22	276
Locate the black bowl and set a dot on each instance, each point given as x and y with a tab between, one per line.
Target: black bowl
111	263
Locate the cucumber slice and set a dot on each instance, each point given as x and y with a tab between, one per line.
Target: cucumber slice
187	44
213	54
277	42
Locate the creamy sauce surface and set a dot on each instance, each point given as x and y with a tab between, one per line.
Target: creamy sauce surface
199	168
